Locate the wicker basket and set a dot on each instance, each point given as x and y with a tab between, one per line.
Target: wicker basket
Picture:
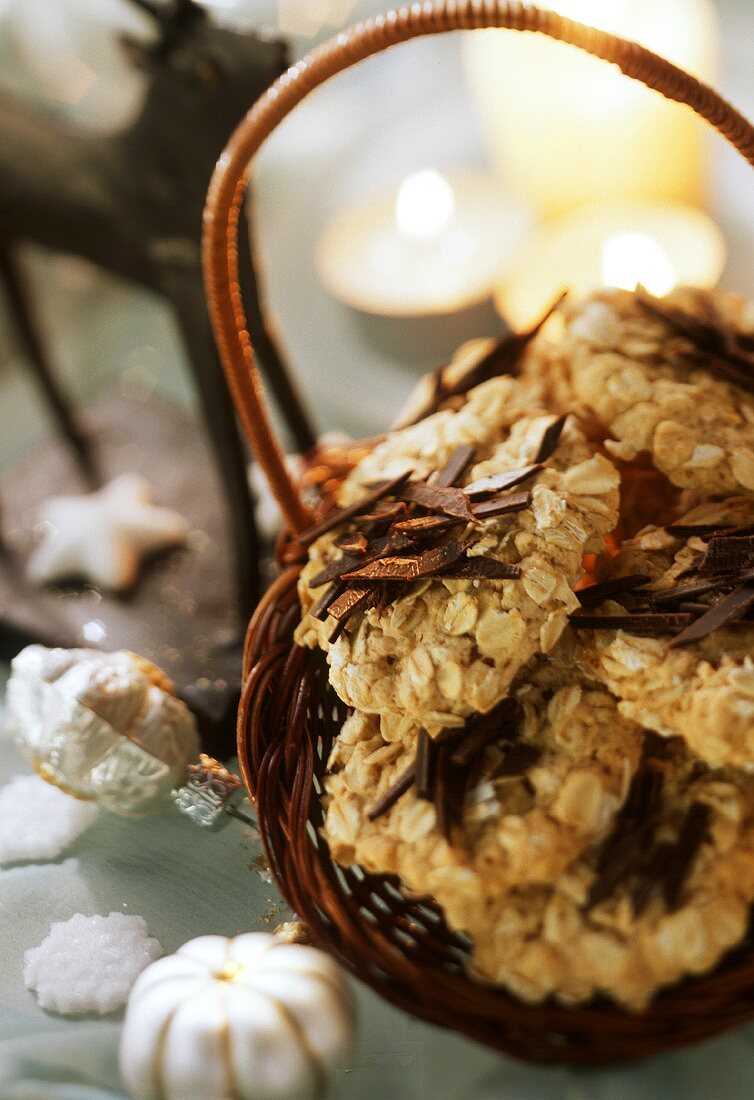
289	714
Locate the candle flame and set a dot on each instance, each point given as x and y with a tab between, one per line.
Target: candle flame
630	260
425	205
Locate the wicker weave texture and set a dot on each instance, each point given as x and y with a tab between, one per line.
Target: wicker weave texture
288	719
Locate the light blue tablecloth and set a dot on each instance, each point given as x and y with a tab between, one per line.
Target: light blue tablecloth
186	883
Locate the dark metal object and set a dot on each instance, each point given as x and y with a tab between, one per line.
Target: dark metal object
132	204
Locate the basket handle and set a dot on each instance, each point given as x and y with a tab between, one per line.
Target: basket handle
228	185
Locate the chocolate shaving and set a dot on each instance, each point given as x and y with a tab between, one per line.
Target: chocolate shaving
425	766
383	595
433	402
696	530
687	591
450	792
616	586
655	746
487	487
624	852
682	322
483	569
730	532
482	730
395	791
382	517
354	599
727	610
641	622
352	543
517	760
503	358
334	569
652	872
625	858
728	553
448	501
409	569
691	570
342	515
421	525
384	546
454	467
726	353
694	832
321	608
515	502
550	440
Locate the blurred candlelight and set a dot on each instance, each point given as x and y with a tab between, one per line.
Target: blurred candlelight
425	205
630	260
310	18
433	245
564	128
612	244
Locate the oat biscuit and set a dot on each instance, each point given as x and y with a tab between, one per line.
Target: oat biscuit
533	804
703	691
666	896
447	647
657	388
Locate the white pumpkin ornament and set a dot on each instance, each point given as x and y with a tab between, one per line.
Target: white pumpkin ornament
250	1018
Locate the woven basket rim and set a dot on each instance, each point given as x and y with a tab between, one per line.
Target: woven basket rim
401	946
289	714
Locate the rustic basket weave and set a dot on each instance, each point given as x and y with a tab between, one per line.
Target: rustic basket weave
289	714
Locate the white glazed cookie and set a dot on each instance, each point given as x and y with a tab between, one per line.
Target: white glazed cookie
569	770
675	913
704	691
452	647
651	388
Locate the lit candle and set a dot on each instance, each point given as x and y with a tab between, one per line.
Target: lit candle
612	244
435	245
564	128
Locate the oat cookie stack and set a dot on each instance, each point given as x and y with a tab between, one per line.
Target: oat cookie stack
537	601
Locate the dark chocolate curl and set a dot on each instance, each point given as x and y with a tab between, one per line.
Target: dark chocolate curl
616	586
402	784
640	623
425	766
491	509
354	599
487	487
694	832
726	611
410	569
342	515
550	440
454	467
